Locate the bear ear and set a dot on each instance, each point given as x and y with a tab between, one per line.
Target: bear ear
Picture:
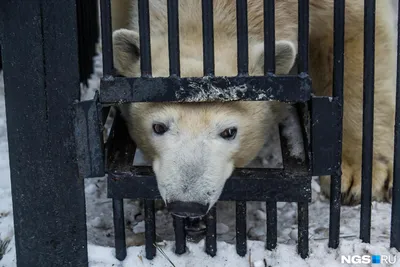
285	56
126	50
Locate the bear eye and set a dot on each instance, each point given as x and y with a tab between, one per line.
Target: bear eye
160	128
229	133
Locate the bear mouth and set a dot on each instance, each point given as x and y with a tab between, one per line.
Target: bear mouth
189	215
187	209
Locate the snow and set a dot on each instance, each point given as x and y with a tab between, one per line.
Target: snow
100	225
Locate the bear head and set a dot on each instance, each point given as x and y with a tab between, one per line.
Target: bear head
194	147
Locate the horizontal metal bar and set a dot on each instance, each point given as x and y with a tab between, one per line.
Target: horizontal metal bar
245	184
201	89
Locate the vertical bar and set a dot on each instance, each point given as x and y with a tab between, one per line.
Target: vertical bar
180	234
47	194
94	29
269	36
338	76
119	229
368	120
85	60
106	37
272	225
302	208
144	32
173	37
211	234
105	111
150	228
241	228
208	37
303	16
242	37
81	38
395	223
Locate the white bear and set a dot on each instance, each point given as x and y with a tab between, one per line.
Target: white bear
194	147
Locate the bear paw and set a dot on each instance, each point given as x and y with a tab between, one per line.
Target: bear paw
382	182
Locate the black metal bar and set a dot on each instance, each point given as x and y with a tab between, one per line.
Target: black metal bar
105	112
368	120
87	15
291	165
269	36
48	196
395	223
326	157
81	38
106	37
303	112
95	26
211	234
150	229
119	229
241	228
119	143
144	32
302	208
303	15
180	235
272	225
266	185
208	37
338	83
242	37
198	89
173	37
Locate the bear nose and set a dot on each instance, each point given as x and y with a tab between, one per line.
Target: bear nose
187	209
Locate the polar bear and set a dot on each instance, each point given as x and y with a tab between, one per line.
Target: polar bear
194	147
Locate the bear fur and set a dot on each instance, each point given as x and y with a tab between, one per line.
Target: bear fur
195	126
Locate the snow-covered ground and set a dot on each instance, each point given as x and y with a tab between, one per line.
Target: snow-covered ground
100	227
